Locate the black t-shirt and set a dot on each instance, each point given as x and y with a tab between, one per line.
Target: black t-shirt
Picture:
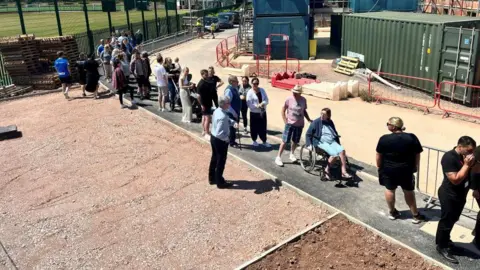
91	66
208	94
453	162
215	80
399	151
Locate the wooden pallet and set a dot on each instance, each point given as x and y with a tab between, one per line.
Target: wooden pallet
347	65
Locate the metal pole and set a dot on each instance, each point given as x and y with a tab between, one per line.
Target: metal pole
156	18
190	11
20	16
89	32
176	17
57	14
125	7
166	15
143	25
110	21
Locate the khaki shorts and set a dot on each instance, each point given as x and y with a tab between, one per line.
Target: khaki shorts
163	90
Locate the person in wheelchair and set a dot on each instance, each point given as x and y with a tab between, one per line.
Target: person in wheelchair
322	134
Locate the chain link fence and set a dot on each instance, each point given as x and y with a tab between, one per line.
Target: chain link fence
89	22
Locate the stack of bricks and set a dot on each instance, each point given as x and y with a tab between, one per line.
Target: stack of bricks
29	61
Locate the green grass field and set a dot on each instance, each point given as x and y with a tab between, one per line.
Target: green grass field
44	24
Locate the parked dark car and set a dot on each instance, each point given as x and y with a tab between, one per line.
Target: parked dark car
234	16
224	21
207	21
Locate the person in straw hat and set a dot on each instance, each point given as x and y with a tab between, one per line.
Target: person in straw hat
293	113
398	158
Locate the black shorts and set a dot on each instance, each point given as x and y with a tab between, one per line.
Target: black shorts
391	182
207	111
66	80
142	81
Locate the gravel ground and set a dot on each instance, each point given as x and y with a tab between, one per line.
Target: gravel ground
93	186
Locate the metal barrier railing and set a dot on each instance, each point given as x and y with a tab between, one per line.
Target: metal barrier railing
430	177
459	95
412	98
161	43
5	79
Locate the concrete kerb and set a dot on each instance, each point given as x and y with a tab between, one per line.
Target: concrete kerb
289	240
299	191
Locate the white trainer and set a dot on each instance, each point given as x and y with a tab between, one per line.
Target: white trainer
255	144
293	158
267	145
278	161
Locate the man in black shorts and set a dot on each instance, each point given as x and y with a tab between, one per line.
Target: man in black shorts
398	158
207	92
456	167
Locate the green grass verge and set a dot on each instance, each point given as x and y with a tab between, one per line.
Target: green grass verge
44	24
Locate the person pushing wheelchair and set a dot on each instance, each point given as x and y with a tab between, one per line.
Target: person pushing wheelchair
322	134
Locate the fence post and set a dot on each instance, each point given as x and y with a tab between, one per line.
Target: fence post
143	25
156	18
125	7
176	17
166	15
57	14
89	32
110	22
20	15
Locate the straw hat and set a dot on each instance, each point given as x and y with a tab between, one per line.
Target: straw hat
396	122
297	89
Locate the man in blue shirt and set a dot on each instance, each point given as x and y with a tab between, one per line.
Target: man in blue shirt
100	47
221	124
235	105
63	70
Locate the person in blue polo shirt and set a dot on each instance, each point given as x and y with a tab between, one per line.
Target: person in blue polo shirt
63	70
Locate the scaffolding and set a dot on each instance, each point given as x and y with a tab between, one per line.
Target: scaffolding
245	29
468	8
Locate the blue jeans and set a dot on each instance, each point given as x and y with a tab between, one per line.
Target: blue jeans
333	149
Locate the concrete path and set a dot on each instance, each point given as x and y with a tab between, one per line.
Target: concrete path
360	124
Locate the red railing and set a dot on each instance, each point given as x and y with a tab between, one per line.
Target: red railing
226	49
414	98
461	99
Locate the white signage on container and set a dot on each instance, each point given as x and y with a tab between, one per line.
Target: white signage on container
285	38
267	41
361	57
464	58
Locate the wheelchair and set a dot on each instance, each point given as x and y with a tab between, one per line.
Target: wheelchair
314	158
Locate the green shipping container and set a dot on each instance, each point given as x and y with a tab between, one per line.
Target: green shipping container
436	47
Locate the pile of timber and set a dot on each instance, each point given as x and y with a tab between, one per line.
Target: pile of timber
29	60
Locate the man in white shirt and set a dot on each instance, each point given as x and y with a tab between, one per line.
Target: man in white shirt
162	85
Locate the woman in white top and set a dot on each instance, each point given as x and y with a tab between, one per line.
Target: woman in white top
185	87
257	101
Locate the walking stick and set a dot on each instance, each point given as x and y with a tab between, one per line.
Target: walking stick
239	138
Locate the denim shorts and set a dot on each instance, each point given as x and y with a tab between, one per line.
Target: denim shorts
292	133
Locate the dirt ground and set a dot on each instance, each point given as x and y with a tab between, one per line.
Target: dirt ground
342	244
93	186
